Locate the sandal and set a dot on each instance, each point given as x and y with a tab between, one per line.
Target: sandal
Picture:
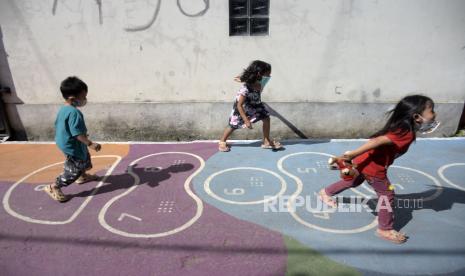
223	147
323	196
55	193
274	146
392	236
84	178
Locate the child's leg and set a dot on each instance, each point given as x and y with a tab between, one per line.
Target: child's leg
338	187
266	131
385	204
385	208
71	172
267	143
227	132
342	185
222	146
85	177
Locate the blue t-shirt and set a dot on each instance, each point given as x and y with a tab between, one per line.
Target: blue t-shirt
69	124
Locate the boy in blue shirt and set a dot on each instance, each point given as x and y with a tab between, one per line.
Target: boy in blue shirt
71	138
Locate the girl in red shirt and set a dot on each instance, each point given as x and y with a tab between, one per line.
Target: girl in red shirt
411	114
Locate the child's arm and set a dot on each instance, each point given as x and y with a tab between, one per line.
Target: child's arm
83	139
373	143
241	110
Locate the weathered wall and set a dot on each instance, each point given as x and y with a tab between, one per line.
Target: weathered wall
156	73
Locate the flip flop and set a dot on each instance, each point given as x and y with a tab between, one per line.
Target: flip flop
393	236
55	194
273	146
87	178
223	147
266	146
326	199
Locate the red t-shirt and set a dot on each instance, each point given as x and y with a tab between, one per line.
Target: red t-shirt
376	161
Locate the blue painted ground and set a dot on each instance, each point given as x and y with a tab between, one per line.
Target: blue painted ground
430	184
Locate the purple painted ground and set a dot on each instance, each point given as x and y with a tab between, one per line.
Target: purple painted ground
215	244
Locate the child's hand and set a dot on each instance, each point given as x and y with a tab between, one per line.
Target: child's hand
95	146
348	155
248	124
238	79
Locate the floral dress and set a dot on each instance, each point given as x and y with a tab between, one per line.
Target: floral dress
254	109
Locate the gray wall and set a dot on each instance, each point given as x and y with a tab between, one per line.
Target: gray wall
338	66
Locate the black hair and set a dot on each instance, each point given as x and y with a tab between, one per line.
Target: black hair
401	118
255	71
72	86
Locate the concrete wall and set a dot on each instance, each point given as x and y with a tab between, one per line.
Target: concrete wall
155	73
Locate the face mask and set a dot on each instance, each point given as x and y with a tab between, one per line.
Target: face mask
264	81
79	103
428	126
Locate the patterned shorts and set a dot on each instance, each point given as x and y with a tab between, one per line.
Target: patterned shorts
73	169
255	114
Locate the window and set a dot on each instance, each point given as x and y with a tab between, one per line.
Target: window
249	17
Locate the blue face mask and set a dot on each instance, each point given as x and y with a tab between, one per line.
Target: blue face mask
264	81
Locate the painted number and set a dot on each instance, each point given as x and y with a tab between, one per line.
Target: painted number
322	215
235	191
306	170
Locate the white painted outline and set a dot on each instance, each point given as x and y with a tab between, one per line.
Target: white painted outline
441	174
206	186
123	215
13	213
368	188
436	182
40	188
198	201
230	141
299	183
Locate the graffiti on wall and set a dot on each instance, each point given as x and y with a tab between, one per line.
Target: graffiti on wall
151	20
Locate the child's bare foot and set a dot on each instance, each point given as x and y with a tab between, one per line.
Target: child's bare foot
327	199
392	236
222	146
84	178
54	192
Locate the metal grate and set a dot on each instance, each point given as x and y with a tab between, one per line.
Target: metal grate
238	26
259	7
249	17
259	26
238	8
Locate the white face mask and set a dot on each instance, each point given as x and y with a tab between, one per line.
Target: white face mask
428	126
